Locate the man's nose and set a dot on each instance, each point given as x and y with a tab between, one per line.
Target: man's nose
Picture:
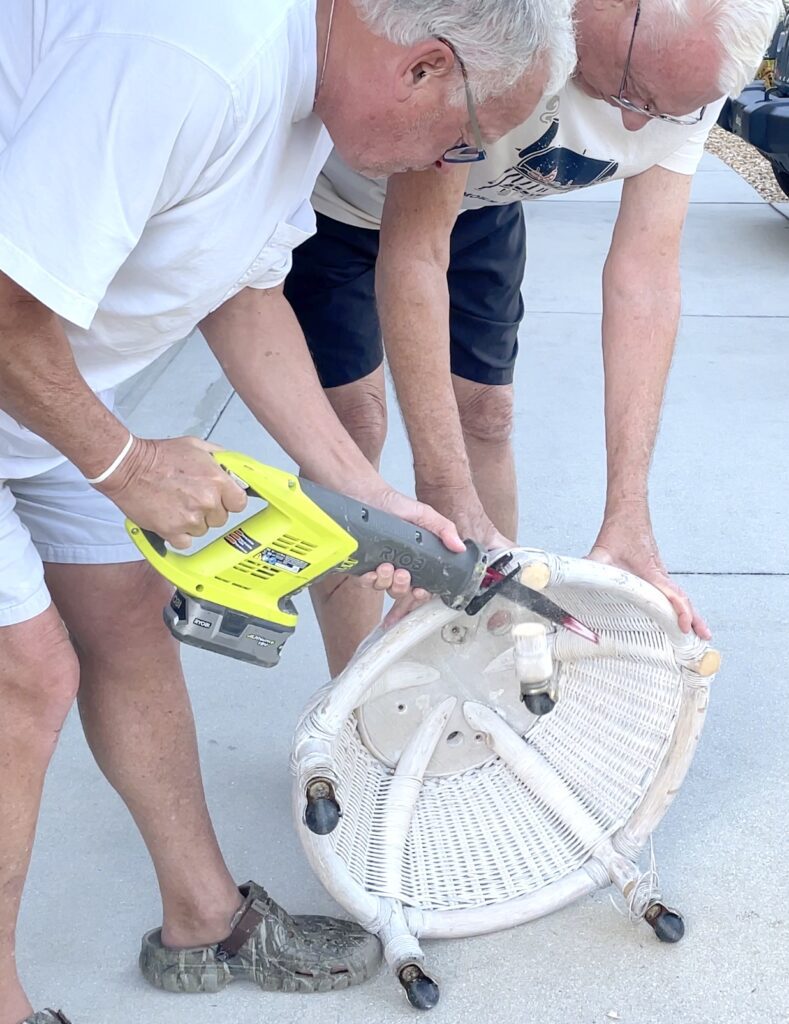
634	122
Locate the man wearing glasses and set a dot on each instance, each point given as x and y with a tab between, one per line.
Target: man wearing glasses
156	164
646	91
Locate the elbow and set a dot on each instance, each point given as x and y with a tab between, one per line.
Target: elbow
638	282
20	311
406	269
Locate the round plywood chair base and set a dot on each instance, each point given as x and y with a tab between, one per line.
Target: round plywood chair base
433	803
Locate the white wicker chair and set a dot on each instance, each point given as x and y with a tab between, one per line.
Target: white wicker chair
461	812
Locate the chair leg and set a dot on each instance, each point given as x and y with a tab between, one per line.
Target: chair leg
404	955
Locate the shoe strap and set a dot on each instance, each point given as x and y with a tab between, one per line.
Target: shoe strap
59	1016
255	909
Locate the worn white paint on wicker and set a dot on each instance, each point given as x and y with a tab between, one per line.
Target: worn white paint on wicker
542	820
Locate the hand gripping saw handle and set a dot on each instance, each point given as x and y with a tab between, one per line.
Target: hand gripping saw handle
234	595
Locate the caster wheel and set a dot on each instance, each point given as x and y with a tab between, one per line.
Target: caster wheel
422	992
666	924
323	812
539	703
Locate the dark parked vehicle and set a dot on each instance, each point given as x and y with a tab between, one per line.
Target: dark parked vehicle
760	114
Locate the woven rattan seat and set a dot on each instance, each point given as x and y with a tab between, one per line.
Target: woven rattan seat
461	812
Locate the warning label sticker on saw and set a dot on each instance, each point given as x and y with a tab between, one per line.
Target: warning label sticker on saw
282	561
242	541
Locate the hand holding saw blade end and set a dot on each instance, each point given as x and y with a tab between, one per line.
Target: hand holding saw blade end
234	596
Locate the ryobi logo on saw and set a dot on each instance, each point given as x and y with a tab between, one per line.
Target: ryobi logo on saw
402	559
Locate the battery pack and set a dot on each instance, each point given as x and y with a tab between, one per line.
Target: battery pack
202	624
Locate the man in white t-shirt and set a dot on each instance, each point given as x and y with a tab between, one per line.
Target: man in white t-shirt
156	164
646	92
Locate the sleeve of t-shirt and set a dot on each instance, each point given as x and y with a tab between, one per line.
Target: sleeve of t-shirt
687	158
111	130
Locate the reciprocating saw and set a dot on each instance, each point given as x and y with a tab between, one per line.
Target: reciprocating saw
234	596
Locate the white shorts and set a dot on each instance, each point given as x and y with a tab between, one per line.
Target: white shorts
54	517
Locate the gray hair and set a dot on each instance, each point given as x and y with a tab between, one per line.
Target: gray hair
497	40
742	27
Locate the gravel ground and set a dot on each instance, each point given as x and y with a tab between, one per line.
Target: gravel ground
747	162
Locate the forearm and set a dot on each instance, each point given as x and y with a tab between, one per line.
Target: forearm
413	306
640	320
42	388
262	350
413	303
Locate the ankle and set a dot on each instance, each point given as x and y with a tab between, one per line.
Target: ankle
188	928
14	1006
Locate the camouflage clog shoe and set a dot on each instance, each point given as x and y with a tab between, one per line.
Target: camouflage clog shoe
48	1017
278	952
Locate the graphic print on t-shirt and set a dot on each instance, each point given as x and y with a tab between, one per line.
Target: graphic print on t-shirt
543	169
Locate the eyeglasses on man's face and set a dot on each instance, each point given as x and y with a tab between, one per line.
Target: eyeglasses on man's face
622	101
462	153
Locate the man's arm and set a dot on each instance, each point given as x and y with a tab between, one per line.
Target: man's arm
172	487
413	302
641	308
260	346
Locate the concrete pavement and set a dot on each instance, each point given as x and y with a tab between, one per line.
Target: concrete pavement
720	490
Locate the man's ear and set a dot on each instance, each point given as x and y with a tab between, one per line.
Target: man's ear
430	60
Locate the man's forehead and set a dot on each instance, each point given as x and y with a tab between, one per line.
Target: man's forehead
687	65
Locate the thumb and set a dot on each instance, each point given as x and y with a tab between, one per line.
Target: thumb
600	554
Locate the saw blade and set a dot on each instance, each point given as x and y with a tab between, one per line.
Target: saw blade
541	605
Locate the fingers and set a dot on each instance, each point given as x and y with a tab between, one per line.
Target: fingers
681	605
216	516
599	554
180	541
397	582
427	518
700	627
687	617
234	498
444	529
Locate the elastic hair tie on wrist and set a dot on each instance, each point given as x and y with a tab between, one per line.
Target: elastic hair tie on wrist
115	465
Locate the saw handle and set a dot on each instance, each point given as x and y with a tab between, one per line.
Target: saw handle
159	544
381	537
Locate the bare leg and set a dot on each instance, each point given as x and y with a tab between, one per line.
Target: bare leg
486	417
38	681
138	721
347	613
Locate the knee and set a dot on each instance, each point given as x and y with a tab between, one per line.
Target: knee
361	408
131	622
40	674
486	414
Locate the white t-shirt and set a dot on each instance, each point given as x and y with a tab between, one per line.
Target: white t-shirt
571	141
155	158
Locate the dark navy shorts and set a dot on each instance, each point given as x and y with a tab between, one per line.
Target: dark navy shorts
332	291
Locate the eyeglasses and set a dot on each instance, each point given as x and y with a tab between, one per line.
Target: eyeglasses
463	153
622	101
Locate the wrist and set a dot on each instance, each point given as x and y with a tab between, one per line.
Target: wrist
94	461
450	474
116	463
140	457
617	505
